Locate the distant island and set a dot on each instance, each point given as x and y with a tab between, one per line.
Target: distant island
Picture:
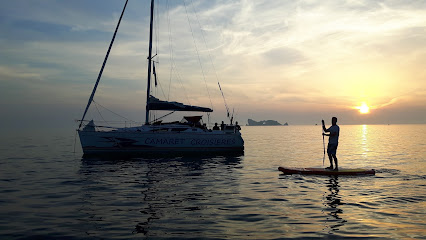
251	122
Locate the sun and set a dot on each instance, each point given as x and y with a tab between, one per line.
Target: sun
363	109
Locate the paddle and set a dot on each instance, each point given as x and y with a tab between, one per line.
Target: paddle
323	142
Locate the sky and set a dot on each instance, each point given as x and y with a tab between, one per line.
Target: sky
290	61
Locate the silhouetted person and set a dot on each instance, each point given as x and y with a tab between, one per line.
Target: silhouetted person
237	126
216	127
333	142
222	126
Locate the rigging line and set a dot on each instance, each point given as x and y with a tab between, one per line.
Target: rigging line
157	79
99	121
161	87
179	78
156	55
237	111
210	57
173	65
96	106
208	119
170	47
157	31
198	54
103	66
223	96
163	116
96	103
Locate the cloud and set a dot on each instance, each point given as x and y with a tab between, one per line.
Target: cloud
283	56
18	74
272	56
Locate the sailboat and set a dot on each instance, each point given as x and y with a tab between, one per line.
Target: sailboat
187	135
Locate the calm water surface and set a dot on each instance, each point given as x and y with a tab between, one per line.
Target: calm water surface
48	192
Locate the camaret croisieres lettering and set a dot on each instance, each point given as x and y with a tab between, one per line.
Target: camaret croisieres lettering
202	142
208	142
157	141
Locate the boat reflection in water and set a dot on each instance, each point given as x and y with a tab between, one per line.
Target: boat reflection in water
156	197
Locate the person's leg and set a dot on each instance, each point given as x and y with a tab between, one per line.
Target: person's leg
329	153
331	161
335	162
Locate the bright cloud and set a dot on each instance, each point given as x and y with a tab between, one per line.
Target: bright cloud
288	60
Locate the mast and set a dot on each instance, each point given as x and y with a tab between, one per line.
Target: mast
148	89
103	66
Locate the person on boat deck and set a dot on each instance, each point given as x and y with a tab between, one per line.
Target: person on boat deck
333	141
237	126
216	127
222	126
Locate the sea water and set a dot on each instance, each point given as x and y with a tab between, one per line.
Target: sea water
48	191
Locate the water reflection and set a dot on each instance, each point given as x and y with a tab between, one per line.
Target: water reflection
364	140
159	155
150	197
332	202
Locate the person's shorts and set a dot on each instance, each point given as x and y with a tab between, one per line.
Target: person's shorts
332	148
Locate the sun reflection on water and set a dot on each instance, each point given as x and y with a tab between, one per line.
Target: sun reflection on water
364	141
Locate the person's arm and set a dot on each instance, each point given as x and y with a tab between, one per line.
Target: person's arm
323	127
331	133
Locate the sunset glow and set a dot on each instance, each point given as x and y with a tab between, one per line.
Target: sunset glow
290	61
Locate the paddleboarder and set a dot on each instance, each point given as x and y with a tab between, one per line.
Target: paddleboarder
333	142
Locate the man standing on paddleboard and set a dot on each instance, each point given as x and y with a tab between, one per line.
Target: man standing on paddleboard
333	141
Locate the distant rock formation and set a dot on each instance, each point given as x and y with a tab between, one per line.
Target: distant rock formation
251	122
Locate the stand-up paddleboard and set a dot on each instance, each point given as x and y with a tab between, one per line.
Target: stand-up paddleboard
322	171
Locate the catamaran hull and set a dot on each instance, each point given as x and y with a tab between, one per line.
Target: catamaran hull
94	142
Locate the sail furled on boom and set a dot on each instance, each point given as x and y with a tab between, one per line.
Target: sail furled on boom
156	104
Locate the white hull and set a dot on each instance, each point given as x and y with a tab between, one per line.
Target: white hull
189	135
94	142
